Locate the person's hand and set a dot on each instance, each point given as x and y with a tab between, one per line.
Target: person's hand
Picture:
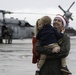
63	30
56	49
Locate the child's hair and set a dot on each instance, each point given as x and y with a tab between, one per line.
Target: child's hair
46	20
36	27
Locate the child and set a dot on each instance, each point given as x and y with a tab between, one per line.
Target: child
48	37
35	57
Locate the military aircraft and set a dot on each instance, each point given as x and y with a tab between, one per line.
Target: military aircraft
21	28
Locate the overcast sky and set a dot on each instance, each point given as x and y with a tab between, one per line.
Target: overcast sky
37	6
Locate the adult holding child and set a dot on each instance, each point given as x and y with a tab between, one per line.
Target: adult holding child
48	37
52	64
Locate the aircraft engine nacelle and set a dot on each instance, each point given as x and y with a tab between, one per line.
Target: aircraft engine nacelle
21	23
68	14
11	21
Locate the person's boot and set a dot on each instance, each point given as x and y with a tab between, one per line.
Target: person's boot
66	70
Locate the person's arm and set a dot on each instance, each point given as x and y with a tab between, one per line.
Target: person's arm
65	48
42	50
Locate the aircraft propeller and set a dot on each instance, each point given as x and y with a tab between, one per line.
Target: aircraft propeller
67	14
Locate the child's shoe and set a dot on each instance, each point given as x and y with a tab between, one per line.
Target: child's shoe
65	69
37	72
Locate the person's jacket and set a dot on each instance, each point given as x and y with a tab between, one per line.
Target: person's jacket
34	59
65	48
48	35
35	55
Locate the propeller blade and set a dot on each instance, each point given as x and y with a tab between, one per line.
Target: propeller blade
2	10
32	13
70	6
71	18
5	12
8	12
61	9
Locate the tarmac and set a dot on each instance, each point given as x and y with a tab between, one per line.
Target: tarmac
16	58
